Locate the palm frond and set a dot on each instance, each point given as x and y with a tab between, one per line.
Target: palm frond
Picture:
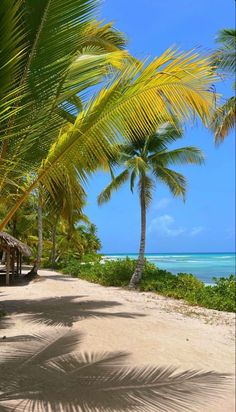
116	183
183	155
132	180
136	101
224	119
104	36
225	57
12	53
175	181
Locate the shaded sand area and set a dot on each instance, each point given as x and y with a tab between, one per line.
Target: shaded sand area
154	330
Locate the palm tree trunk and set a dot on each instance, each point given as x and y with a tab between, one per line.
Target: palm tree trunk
40	232
134	281
53	250
36	266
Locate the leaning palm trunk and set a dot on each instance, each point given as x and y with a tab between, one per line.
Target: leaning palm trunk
134	281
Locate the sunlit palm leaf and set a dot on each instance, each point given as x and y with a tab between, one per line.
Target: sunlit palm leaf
176	83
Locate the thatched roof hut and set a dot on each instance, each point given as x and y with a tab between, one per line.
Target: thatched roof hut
14	249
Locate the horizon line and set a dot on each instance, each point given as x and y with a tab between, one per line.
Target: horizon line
158	253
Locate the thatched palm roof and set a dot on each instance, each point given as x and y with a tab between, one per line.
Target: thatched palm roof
10	241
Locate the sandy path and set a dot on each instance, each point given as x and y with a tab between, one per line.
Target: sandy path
155	330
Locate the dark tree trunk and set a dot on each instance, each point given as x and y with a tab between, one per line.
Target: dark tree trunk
134	281
37	262
53	251
14	225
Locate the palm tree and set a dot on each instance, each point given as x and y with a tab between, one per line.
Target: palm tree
50	52
174	83
148	159
224	117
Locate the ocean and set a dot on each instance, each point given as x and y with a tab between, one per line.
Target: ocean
202	265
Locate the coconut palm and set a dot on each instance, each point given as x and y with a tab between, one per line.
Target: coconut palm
148	160
224	117
173	84
50	51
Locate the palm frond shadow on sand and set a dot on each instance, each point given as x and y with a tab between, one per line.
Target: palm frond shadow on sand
49	374
64	310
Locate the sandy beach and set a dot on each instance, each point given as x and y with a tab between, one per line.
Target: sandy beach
155	330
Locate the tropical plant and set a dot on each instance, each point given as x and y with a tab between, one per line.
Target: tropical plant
149	159
50	51
175	83
224	60
46	372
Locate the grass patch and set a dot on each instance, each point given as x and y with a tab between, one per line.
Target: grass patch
220	296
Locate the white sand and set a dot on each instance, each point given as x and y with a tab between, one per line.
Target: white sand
169	333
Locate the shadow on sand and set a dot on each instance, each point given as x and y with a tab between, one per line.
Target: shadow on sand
49	374
62	310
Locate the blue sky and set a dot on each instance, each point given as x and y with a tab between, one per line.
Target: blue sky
205	222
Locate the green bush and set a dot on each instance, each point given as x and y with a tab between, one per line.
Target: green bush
91	257
220	296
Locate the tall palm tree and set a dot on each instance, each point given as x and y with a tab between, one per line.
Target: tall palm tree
224	118
148	159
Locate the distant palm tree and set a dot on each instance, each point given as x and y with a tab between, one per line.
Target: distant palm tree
225	61
148	159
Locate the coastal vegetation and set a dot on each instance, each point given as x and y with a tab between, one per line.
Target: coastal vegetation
219	296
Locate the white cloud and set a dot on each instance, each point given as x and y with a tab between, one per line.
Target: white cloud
196	230
164	224
162	203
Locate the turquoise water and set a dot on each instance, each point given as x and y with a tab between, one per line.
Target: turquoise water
203	265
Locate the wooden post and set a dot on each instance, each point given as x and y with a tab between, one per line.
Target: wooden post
17	262
13	262
20	262
8	263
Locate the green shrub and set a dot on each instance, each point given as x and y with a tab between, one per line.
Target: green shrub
91	257
220	296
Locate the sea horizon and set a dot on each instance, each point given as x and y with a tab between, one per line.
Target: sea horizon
205	265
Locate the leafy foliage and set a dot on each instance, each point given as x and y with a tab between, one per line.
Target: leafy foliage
224	60
143	95
51	50
220	296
